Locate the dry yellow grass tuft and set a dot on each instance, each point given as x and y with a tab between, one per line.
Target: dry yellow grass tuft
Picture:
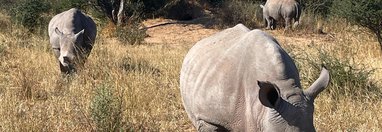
125	87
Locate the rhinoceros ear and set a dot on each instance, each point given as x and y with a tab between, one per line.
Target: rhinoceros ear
80	32
269	94
58	32
319	85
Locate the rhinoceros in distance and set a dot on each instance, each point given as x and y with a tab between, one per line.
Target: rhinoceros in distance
242	80
274	10
72	35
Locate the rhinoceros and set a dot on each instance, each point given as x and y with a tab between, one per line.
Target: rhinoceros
273	10
242	80
72	35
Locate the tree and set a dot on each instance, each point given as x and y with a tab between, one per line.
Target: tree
366	13
110	8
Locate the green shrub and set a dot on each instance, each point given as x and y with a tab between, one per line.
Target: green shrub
29	14
132	33
317	7
234	12
63	5
366	13
348	80
183	10
106	109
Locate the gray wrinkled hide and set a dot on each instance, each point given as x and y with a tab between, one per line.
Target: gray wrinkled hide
242	80
274	10
72	35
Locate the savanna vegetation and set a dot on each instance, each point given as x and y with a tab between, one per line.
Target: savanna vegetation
131	84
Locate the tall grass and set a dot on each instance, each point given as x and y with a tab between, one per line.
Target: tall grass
122	87
136	87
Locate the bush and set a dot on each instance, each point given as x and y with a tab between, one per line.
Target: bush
347	79
317	7
106	109
29	14
366	13
132	33
183	10
63	5
234	12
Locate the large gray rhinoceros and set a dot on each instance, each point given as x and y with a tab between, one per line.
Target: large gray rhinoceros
72	35
273	10
242	80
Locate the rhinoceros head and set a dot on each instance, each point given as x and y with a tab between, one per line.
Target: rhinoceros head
290	109
69	47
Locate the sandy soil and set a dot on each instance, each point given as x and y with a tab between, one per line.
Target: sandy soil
192	32
175	33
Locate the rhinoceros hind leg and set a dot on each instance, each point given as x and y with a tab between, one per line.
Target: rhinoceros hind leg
209	127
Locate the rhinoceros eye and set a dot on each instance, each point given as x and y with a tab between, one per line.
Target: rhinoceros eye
56	48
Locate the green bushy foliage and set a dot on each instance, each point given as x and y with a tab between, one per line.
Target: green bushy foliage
62	5
106	109
366	13
245	12
29	14
131	33
348	79
317	7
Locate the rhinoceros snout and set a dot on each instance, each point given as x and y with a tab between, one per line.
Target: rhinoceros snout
65	60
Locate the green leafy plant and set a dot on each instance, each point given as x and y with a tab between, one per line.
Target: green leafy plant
348	80
233	12
106	109
29	14
366	13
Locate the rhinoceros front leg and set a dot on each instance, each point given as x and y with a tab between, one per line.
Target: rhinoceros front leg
288	21
204	126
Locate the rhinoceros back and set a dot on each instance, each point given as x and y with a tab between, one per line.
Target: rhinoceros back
219	74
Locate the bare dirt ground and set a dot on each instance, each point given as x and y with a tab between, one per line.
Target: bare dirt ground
193	32
175	33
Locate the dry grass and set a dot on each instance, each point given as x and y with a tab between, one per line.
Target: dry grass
143	81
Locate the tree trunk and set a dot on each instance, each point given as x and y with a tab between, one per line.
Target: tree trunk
120	14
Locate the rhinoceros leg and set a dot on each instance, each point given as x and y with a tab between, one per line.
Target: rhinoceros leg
288	21
274	24
269	22
204	126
